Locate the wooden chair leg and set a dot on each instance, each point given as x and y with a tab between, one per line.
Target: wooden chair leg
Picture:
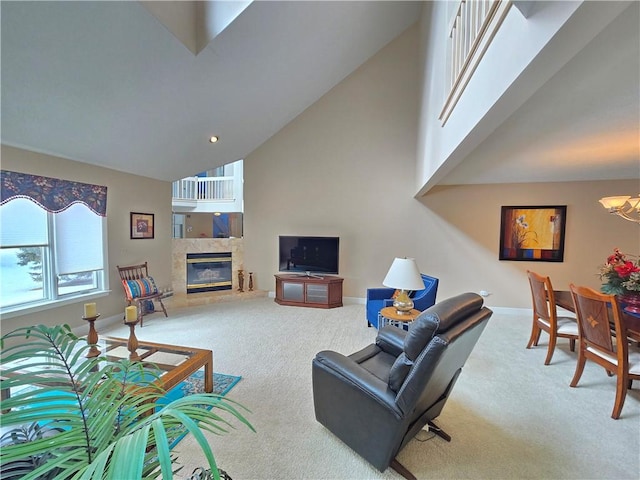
140	313
579	369
535	335
163	309
572	344
621	395
551	348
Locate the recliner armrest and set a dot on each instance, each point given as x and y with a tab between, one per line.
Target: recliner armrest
391	340
349	371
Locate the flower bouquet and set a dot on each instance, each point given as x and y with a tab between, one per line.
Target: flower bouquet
621	276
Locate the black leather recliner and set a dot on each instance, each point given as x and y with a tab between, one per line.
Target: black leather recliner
379	398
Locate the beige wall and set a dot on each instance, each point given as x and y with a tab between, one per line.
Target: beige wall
198	225
463	224
343	167
125	193
346	167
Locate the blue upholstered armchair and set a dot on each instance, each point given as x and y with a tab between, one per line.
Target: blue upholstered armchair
378	298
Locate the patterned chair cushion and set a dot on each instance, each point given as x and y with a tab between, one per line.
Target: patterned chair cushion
139	288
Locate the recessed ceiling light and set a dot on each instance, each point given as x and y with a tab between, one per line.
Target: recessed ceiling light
213	139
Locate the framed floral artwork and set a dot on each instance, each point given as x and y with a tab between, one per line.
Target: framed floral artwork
142	225
533	234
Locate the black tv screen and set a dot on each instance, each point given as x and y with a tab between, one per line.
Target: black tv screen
309	254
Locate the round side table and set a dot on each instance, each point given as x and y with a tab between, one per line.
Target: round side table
390	316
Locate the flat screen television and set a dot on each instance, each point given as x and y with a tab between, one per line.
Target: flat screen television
309	255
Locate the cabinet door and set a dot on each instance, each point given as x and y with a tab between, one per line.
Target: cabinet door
317	293
293	291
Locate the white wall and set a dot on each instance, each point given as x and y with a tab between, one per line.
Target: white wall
524	54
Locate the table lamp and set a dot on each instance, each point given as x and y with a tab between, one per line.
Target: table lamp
403	276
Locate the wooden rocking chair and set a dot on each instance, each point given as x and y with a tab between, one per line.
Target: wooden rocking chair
140	288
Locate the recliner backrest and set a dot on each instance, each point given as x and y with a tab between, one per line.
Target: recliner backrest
426	343
437	319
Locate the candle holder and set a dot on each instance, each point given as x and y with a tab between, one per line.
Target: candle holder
132	344
92	338
251	281
240	280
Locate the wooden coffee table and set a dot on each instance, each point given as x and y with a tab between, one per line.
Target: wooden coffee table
175	362
390	316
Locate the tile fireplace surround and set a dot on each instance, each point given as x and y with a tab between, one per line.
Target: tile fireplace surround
179	249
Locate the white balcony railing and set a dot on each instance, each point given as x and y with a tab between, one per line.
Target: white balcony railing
472	27
216	189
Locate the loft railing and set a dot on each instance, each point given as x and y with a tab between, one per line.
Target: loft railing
471	29
467	27
204	188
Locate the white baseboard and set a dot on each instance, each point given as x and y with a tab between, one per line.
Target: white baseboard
497	310
354	301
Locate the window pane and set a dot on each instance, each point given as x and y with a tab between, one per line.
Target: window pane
76	282
21	271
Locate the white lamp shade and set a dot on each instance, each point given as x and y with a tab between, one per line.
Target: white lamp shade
614	202
404	275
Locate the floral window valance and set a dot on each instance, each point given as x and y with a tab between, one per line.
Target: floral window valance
52	194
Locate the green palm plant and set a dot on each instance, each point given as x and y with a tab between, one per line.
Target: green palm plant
93	418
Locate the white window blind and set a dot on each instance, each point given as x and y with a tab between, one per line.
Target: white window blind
78	233
23	223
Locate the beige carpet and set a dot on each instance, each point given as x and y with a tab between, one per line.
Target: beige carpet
509	415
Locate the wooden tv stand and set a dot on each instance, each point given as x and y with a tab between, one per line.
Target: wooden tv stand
313	291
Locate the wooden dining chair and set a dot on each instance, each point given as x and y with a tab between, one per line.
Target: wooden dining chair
545	316
603	340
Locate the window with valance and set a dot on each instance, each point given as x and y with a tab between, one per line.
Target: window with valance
51	239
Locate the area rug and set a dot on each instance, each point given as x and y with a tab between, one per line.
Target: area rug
222	384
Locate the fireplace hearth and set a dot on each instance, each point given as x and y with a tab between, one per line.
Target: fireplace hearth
208	272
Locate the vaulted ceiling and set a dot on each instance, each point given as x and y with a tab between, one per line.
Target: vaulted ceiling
108	83
118	84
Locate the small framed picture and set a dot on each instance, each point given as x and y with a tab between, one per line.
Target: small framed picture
533	234
142	225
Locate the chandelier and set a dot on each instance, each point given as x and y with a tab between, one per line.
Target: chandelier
623	206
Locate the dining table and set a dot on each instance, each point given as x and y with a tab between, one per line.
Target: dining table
563	299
